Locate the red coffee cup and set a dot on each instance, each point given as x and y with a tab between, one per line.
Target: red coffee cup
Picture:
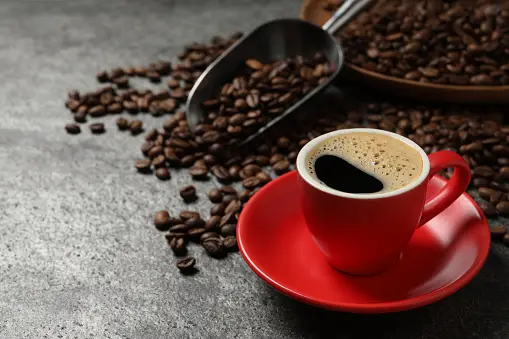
365	234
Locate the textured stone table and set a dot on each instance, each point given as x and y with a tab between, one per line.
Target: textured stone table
79	257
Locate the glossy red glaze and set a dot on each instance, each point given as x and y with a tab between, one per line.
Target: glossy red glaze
440	258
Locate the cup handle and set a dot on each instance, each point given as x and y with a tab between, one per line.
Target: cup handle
452	190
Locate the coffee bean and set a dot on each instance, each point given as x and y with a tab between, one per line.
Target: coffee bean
504	172
483	171
281	167
230	243
496	197
480	182
276	158
485	192
214	247
208	235
122	124
162	220
195	223
234	172
73	129
233	207
228	190
228	219
254	64
218	209
213	222
488	209
188	193
503	208
186	266
264	177
186	215
97	128
163	173
251	182
159	162
179	228
228	230
102	77
195	233
136	127
143	165
221	173
97	111
245	195
199	173
215	195
178	246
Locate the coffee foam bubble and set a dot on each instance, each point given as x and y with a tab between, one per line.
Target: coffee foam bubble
390	160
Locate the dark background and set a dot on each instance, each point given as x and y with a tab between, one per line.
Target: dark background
79	257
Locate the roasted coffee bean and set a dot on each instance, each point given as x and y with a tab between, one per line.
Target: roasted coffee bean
159	162
195	223
230	243
213	222
73	129
97	128
162	220
229	198
195	233
228	190
208	235
281	167
221	173
179	228
503	208
228	230
186	215
143	165
218	209
199	172
483	171
174	235
188	193
264	177
136	127
186	266
178	246
245	195
496	197
504	172
215	195
155	151
163	173
480	182
251	182
187	161
486	192
122	124
233	207
497	232
276	158
214	247
234	172
102	77
488	209
228	219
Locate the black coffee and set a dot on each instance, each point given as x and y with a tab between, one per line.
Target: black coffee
364	163
339	174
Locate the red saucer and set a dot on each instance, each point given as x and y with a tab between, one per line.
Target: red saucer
443	256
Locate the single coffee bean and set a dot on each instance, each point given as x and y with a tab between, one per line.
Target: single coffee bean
264	177
497	232
143	165
504	172
486	192
213	222
73	129
208	235
228	190
503	208
228	219
230	243
245	195
250	183
179	228
159	162
218	209
483	171
214	247
281	167
102	77
228	230
215	195
163	173
162	220
174	235
188	193
496	197
234	172
233	207
221	173
276	158
178	246
229	198
480	182
196	233
195	223
199	173
97	128
122	124
186	215
136	127
186	266
488	209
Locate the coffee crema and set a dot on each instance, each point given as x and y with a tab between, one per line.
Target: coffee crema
368	163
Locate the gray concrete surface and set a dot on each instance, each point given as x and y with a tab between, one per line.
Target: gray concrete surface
79	257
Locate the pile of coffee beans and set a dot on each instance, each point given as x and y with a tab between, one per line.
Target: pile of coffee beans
464	42
477	134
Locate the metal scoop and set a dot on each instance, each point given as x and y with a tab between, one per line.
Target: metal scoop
272	41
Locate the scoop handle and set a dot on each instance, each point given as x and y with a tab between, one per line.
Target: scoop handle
346	12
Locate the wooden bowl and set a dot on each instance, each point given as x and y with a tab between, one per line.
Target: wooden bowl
313	11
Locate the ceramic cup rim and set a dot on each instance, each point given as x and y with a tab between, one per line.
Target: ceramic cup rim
304	174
